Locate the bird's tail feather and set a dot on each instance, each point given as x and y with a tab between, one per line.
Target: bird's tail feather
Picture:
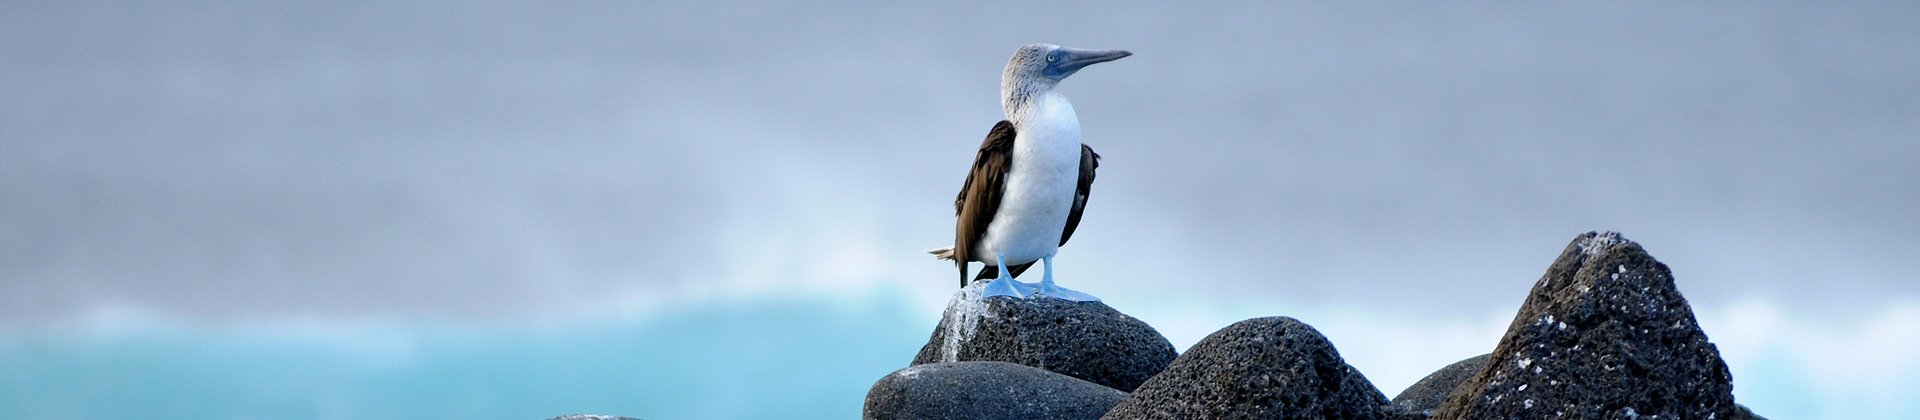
944	253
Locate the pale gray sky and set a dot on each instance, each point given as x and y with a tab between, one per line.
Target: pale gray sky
454	159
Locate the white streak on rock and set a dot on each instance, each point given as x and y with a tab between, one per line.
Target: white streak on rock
963	319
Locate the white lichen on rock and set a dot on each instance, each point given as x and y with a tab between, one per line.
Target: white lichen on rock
1600	242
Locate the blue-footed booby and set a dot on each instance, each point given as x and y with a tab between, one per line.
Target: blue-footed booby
1031	177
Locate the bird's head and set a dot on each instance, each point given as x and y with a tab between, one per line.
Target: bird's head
1037	68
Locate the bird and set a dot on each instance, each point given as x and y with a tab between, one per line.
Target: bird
1030	179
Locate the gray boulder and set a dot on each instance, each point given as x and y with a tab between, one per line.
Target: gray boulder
1604	334
1086	340
1274	367
986	390
1419	400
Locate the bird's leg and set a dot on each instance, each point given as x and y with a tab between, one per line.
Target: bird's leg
1004	285
1048	288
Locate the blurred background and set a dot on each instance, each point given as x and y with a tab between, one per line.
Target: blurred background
718	210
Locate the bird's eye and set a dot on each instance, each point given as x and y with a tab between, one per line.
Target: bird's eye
1050	58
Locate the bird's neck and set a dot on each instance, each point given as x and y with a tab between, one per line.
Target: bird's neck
1022	97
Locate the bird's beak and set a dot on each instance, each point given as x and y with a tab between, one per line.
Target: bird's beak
1077	58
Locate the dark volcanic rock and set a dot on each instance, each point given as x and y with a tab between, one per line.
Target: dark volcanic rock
986	390
1274	367
1603	334
1086	340
1419	400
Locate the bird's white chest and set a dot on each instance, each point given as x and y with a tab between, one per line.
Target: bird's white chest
1040	185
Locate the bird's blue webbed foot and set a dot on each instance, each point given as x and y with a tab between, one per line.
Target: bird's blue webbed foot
1055	291
1005	285
1049	289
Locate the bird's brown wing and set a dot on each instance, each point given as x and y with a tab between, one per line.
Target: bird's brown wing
980	195
1089	161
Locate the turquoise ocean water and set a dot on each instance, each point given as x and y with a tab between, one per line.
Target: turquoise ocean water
765	358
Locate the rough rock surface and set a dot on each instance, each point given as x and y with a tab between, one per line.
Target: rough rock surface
1086	340
1604	334
986	390
1273	367
1419	400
